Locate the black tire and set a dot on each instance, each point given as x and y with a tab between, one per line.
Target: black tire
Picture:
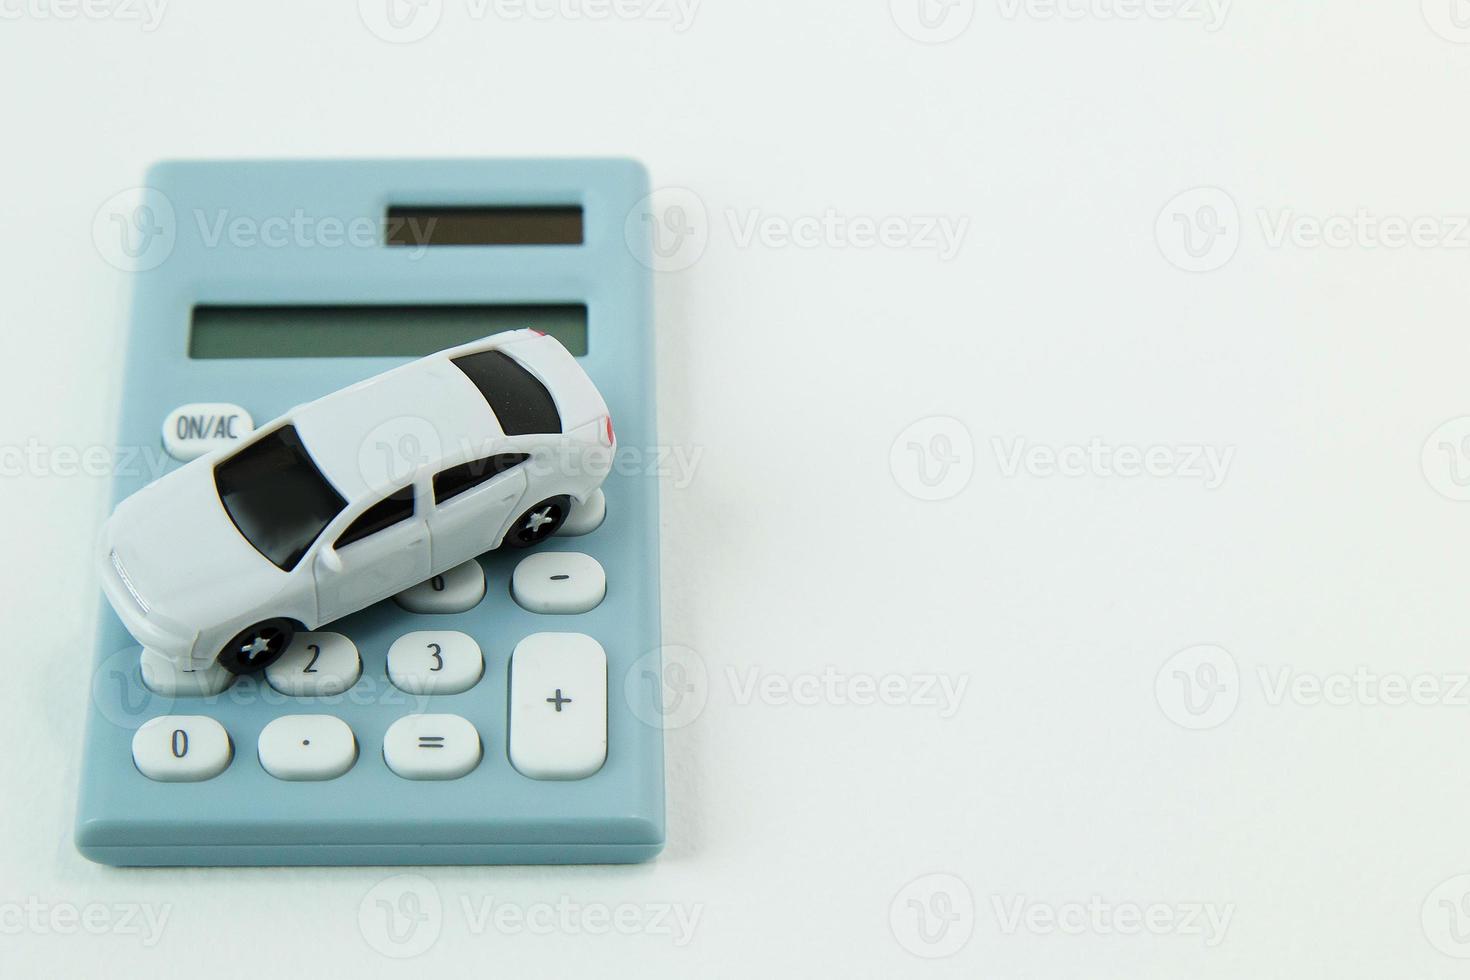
274	635
538	523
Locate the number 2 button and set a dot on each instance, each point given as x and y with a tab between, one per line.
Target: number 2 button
315	665
435	662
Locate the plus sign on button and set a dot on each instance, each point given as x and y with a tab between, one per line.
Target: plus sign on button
558	706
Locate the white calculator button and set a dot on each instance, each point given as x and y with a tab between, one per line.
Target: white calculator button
435	662
431	747
561	582
192	430
457	590
162	676
301	747
585	517
316	665
181	748
558	706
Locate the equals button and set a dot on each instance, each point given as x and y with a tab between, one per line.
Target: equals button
455	742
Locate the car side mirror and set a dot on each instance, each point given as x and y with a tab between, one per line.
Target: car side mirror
330	559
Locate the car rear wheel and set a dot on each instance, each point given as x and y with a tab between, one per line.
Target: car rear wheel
257	647
538	523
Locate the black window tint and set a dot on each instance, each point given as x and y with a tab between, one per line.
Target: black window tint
276	496
394	508
466	476
519	401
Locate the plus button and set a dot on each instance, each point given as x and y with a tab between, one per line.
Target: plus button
558	700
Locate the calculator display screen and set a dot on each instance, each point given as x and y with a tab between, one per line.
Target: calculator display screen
420	226
370	331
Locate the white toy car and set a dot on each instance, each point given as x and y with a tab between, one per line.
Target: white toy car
316	516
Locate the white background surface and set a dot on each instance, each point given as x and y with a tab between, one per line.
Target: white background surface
1331	835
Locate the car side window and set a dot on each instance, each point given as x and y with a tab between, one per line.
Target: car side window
393	509
466	476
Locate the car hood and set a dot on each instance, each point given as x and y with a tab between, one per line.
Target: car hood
182	555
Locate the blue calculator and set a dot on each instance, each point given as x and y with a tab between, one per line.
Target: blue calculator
260	286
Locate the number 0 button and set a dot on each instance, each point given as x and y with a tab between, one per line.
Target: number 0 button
181	748
457	590
561	582
435	662
316	665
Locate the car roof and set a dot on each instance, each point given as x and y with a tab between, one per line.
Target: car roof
368	438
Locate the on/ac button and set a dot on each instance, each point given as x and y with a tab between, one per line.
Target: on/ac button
194	429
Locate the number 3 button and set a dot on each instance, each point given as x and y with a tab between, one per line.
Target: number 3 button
315	665
435	662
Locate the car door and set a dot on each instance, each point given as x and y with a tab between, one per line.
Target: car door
384	550
472	504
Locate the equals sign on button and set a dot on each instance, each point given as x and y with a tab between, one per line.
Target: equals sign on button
431	741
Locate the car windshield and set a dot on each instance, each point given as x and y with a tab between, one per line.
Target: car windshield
277	497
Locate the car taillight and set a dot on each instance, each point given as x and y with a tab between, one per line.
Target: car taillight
607	431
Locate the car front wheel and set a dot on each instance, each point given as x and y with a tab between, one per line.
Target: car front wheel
538	523
257	647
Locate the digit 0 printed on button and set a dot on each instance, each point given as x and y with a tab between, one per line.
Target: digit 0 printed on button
457	590
181	748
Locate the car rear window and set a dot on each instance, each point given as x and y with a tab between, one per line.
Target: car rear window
519	401
276	496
